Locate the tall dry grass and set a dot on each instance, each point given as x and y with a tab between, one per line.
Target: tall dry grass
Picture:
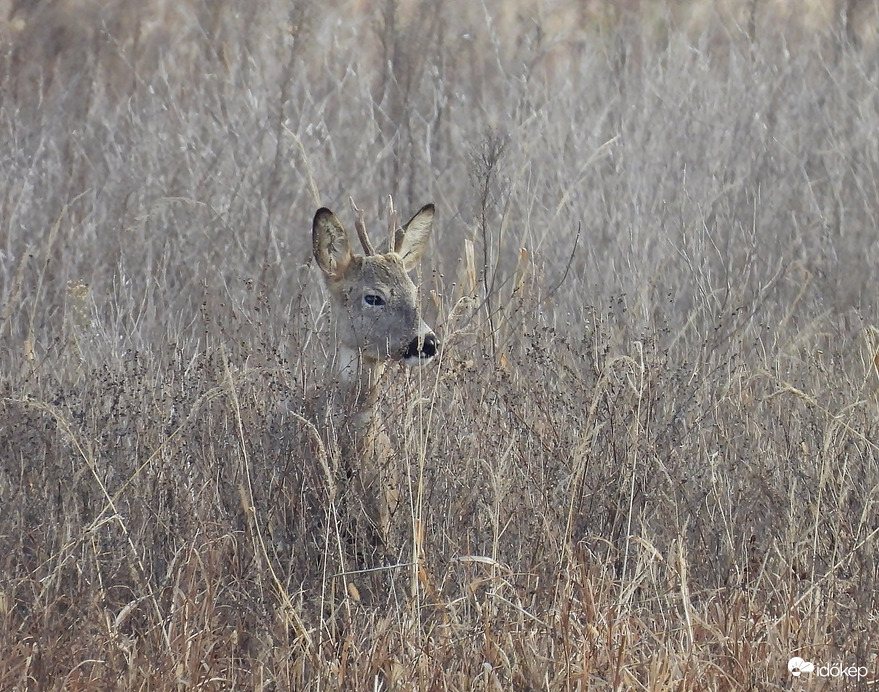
647	458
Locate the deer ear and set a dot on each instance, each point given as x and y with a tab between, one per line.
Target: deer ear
411	243
330	243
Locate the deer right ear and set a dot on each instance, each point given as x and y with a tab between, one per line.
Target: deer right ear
330	243
412	242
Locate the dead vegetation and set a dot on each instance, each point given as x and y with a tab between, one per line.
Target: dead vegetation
647	456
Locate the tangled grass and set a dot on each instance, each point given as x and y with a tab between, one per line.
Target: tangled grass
647	457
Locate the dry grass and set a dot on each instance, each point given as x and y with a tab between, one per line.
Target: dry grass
647	458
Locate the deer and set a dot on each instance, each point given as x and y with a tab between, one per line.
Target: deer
376	321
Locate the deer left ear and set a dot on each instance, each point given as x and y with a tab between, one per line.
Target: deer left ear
411	243
330	243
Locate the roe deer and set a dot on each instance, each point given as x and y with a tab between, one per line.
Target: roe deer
377	320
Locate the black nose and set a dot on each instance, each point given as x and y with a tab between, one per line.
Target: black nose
429	346
424	347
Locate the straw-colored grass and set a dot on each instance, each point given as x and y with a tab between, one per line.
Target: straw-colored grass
647	456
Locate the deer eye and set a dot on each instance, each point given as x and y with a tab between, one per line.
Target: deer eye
373	299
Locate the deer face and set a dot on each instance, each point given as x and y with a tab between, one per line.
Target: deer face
374	300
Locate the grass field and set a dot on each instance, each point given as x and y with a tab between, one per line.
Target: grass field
647	457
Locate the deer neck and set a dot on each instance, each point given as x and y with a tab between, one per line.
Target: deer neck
358	385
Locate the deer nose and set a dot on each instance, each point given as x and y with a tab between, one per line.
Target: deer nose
429	346
422	349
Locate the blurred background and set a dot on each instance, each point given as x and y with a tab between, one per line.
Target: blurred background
647	457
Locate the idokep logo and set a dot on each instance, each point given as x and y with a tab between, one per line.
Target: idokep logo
797	666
